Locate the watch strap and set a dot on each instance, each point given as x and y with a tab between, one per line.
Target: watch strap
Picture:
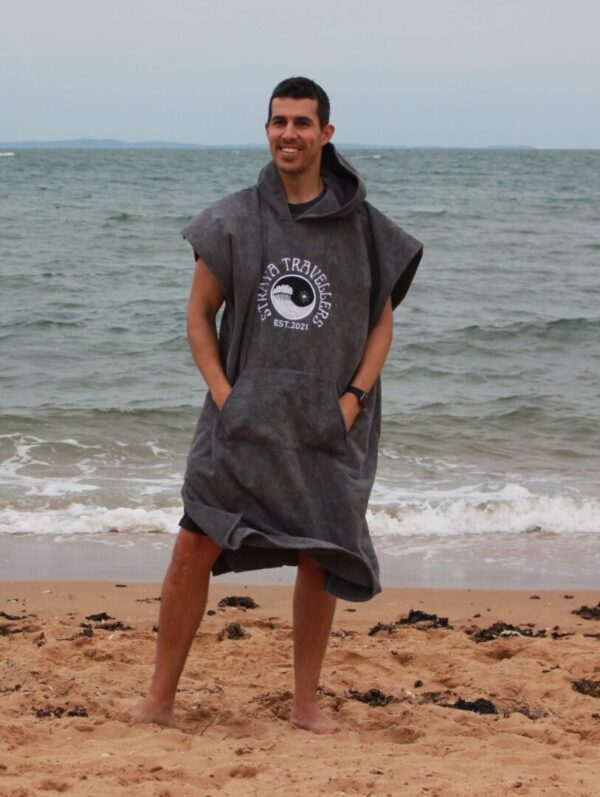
360	394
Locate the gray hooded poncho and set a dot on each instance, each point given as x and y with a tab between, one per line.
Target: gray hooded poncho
274	472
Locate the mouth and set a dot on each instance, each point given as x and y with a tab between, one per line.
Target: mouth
289	150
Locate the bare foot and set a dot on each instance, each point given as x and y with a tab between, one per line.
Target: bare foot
312	719
151	710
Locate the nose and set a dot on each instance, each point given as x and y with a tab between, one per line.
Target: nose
290	130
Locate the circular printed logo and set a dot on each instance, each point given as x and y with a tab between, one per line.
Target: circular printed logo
293	297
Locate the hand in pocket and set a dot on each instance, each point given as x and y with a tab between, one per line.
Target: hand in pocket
349	408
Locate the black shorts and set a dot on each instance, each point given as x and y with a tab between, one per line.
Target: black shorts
186	522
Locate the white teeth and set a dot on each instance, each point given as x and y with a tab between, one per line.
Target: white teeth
289	149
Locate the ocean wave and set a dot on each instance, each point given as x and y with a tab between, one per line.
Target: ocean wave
558	329
510	415
122	218
65	417
520	339
46	323
513	510
427	211
82	519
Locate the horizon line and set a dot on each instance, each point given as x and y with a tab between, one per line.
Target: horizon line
116	143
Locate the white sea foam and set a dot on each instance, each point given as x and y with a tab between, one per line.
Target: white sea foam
512	510
53	488
82	519
48	487
72	442
156	449
444	488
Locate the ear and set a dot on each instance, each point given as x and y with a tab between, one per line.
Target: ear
327	134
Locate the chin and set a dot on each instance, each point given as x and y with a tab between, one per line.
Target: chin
289	168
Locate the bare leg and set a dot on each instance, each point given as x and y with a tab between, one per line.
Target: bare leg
313	614
183	600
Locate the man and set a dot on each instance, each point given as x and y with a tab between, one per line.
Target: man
284	454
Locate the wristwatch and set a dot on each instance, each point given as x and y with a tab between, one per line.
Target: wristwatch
360	394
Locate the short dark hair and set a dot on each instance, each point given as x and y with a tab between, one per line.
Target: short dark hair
300	88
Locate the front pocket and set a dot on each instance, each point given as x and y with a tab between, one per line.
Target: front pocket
285	409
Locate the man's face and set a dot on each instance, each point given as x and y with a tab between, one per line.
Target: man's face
295	135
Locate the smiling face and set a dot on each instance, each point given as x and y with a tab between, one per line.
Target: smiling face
295	135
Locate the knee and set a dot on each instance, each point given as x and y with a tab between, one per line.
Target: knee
193	552
308	567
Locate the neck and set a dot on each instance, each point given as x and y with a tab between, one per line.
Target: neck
301	187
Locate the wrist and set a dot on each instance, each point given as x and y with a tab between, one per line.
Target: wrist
361	396
220	392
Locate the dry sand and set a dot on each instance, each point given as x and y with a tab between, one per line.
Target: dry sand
65	695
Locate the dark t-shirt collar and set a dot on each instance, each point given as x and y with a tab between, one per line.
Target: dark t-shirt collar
297	209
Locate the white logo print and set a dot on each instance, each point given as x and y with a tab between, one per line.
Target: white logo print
293	297
292	290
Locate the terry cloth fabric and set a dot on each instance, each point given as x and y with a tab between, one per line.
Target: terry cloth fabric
275	473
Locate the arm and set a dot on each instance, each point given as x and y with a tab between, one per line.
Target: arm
205	299
373	359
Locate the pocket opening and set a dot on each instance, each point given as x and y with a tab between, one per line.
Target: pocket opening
284	409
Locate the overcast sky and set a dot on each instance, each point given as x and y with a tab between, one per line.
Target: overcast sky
411	72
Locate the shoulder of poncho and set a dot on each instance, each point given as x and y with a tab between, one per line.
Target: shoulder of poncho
228	217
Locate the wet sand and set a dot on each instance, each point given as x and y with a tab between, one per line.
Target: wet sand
503	561
445	716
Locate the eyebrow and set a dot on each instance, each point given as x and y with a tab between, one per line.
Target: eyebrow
281	118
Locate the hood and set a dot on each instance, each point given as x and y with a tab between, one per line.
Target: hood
345	188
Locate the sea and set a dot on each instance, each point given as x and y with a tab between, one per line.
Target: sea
491	415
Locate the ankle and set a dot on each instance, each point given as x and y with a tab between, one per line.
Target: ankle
305	703
160	698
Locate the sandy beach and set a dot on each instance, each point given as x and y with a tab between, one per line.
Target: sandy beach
462	708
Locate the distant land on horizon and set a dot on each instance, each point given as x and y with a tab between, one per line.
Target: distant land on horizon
104	143
114	143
